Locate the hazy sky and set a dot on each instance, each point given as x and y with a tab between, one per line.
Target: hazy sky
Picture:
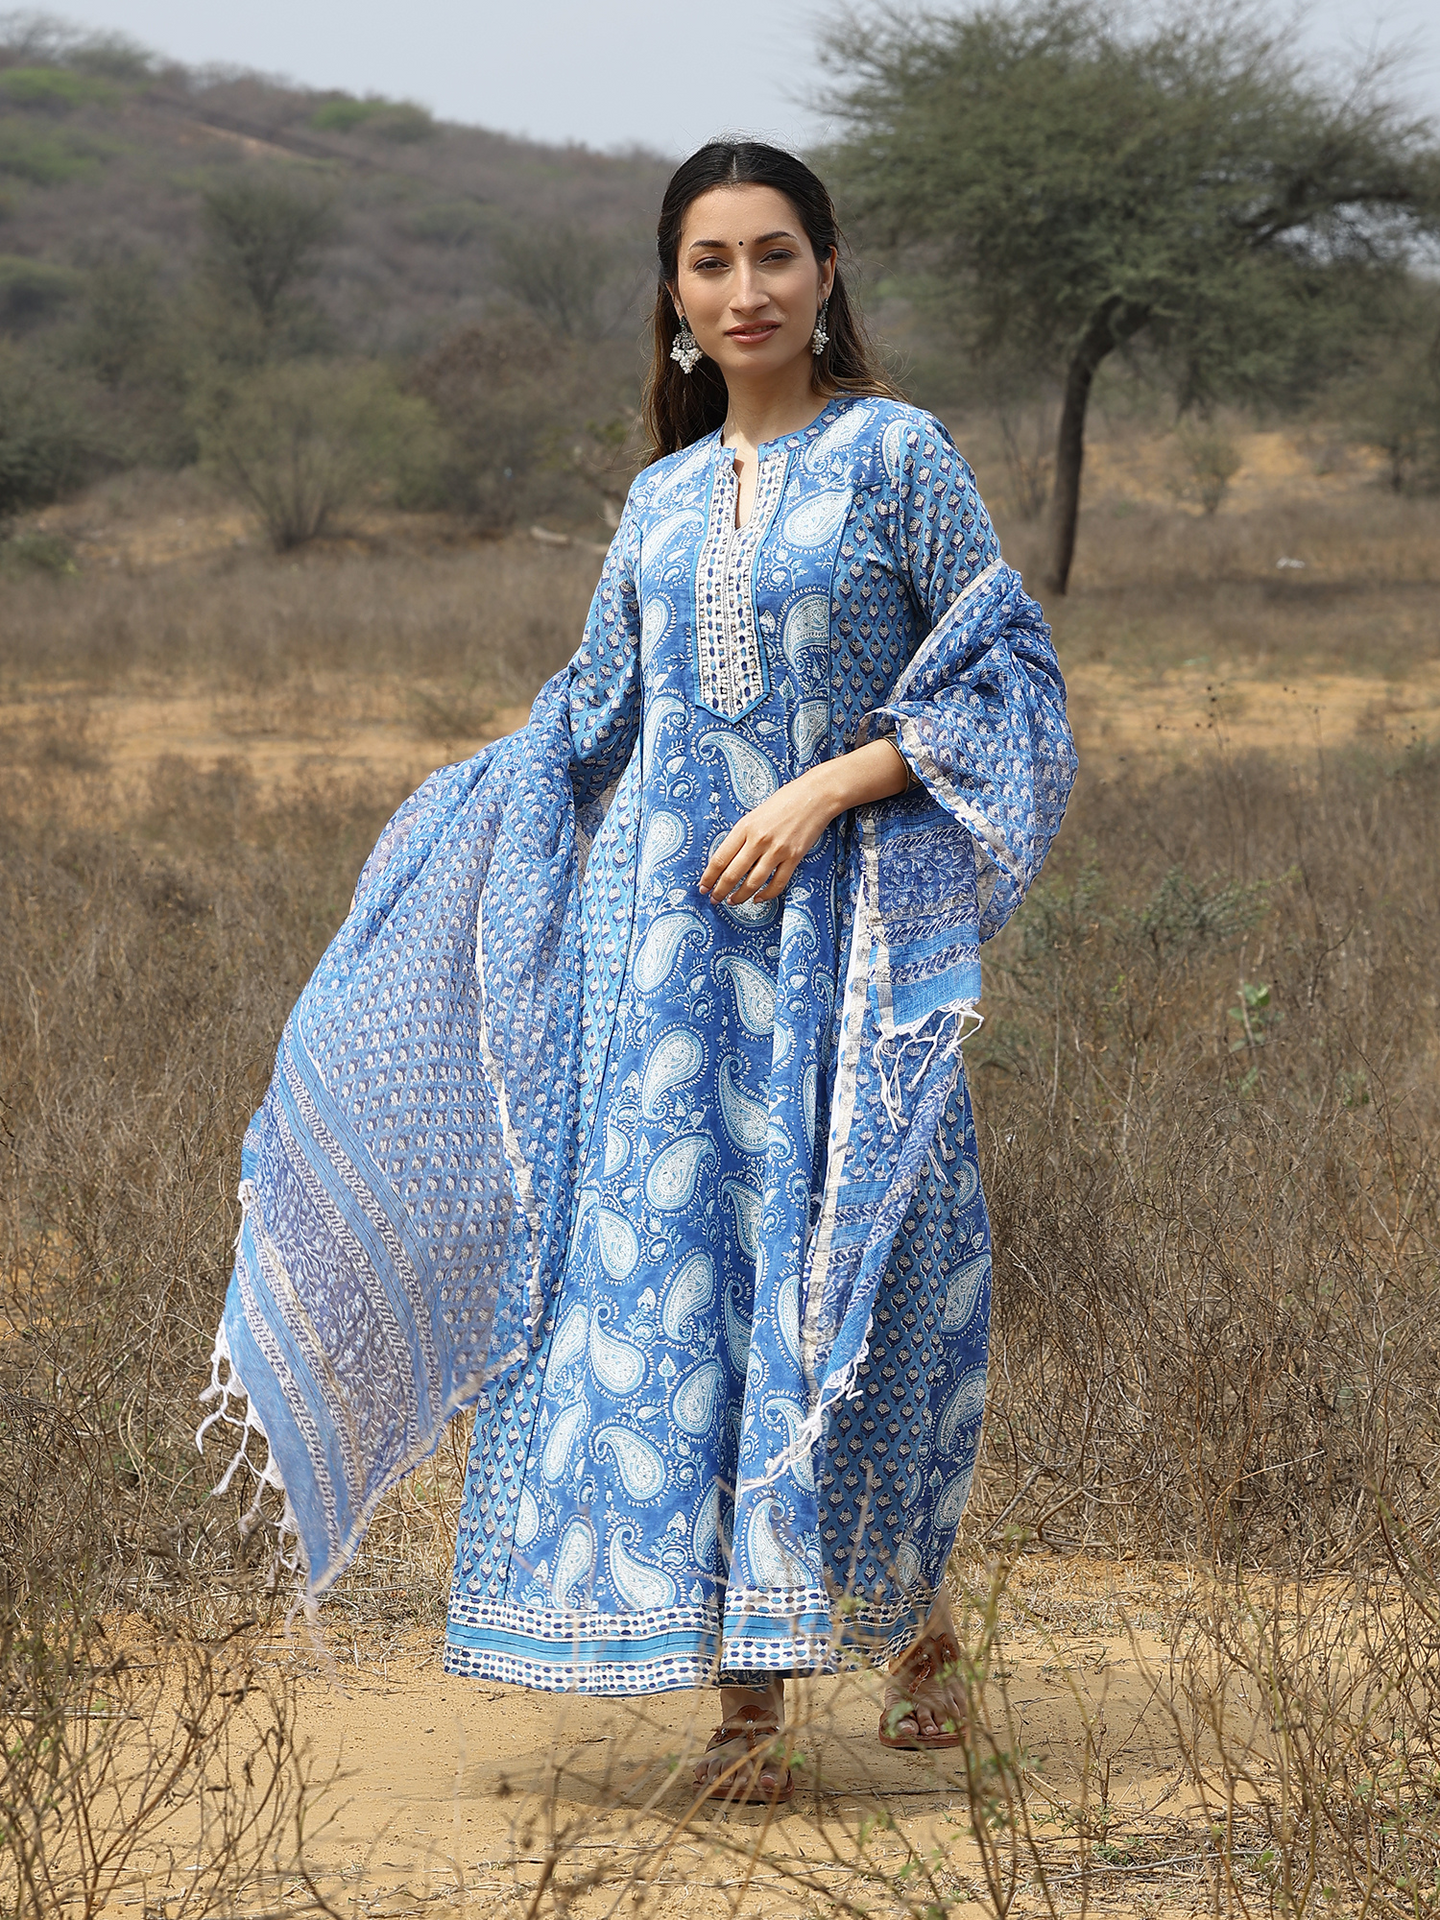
662	73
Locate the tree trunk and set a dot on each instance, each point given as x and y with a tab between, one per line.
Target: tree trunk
1069	458
1112	324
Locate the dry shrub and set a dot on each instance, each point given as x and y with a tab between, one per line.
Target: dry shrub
1209	1084
1204	460
1307	1719
102	1737
300	443
510	394
144	983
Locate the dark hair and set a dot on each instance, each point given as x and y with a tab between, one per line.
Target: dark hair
680	407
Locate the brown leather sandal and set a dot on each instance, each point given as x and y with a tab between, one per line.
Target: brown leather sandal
739	1779
928	1660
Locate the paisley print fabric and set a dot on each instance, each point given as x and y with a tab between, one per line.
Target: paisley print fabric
683	1196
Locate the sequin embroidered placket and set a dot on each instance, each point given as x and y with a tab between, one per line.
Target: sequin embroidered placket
731	664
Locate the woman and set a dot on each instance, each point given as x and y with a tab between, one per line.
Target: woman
681	1182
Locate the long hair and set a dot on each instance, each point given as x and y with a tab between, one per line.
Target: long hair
680	407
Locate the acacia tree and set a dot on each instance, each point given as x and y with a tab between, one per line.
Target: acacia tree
1075	186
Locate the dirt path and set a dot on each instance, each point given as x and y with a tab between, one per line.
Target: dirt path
453	1798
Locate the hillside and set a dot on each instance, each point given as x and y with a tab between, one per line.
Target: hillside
106	152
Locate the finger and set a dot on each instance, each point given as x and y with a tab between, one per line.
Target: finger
721	857
778	881
750	867
759	875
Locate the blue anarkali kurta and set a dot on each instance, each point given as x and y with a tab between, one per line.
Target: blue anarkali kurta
603	1543
682	1196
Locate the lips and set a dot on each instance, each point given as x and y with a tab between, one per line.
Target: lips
752	335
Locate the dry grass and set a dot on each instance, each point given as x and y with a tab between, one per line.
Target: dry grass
174	604
1208	1094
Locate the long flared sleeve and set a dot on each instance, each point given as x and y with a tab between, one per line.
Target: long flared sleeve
603	681
979	712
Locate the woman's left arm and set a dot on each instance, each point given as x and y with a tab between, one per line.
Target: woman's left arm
757	857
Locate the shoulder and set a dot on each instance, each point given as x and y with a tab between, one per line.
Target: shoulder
884	443
912	438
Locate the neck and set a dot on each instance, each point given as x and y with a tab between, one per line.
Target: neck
768	409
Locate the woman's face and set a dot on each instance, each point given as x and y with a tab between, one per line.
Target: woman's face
748	280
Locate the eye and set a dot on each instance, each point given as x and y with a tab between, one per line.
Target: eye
700	266
779	253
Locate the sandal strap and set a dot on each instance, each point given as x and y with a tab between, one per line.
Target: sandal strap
752	1735
928	1659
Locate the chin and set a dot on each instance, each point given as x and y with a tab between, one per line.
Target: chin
769	358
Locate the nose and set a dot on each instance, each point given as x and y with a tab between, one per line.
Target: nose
747	295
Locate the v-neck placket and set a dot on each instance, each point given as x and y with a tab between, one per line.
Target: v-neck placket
731	670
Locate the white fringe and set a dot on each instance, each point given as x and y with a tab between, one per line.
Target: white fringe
228	1393
890	1051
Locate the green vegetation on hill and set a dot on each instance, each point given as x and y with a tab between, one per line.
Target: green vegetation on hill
170	241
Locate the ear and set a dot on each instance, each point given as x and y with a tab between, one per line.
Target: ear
827	273
675	301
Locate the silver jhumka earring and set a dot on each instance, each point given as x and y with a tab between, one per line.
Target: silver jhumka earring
684	348
820	337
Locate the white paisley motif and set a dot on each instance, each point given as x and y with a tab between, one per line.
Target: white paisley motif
696	1400
752	773
619	1244
640	1585
690	1292
754	994
658	615
641	1467
618	1366
962	1293
818	520
843	431
807	627
892	449
809	725
664	837
555	1455
705	1532
773	1562
675	1170
574	1564
951	1503
662	944
527	1519
568	1347
617	1144
747	1120
677	1057
737	1332
963	1408
747	1204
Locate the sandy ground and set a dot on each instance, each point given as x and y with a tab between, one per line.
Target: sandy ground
453	1797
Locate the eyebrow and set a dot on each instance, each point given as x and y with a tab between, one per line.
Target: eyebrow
780	233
